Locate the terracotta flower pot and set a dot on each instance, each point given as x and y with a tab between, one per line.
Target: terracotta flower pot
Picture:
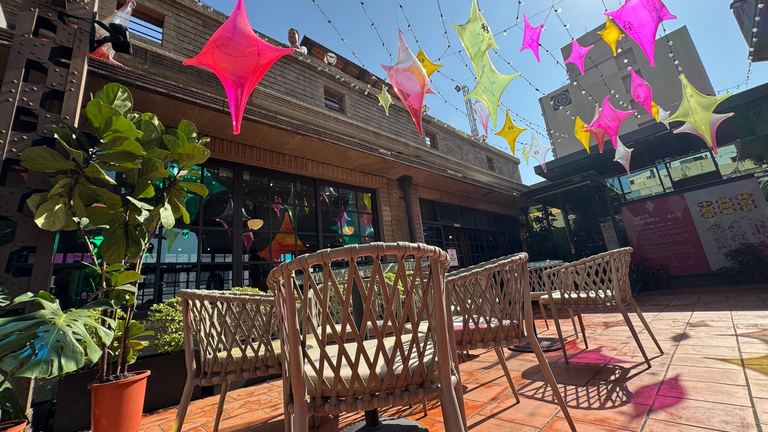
13	426
117	406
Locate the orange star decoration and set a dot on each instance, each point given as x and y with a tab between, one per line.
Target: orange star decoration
581	134
510	132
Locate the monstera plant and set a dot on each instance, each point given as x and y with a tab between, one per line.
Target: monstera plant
117	184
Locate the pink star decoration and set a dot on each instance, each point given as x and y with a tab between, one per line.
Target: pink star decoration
610	120
531	36
714	123
539	152
482	114
596	132
410	81
623	154
578	55
239	58
640	20
642	92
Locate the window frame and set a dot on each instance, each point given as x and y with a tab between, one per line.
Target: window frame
431	141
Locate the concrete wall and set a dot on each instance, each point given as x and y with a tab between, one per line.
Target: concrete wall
663	79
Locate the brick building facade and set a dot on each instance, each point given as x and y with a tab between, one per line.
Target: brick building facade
464	193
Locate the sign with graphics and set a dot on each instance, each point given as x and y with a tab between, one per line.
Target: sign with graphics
690	232
728	216
453	256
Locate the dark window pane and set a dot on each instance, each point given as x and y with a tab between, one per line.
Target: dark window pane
175	278
282	191
71	248
192	201
74	285
180	246
256	215
256	246
255	186
365	202
217	246
306	244
305	219
255	275
329	197
146	292
218	206
216	278
332	242
347	199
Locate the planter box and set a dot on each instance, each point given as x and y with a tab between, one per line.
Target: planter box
164	387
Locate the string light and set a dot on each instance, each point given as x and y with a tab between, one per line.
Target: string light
373	26
759	7
338	33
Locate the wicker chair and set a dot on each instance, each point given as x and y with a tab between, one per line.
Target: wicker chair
601	282
536	276
491	305
236	336
378	368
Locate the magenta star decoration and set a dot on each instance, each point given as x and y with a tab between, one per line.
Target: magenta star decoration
640	19
610	120
596	132
531	36
642	92
578	55
410	81
623	155
539	152
239	58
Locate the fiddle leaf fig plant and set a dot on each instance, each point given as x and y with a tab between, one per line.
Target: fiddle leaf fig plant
117	183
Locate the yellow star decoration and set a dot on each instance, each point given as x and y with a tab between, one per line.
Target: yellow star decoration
526	152
510	132
490	85
611	34
581	134
429	66
696	109
655	110
385	99
476	37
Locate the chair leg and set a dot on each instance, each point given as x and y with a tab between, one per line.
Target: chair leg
458	390
424	406
645	323
220	408
551	378
556	319
505	368
544	314
632	330
573	322
583	329
186	397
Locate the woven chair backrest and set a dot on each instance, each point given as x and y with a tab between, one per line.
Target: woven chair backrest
536	276
487	302
232	331
597	281
314	334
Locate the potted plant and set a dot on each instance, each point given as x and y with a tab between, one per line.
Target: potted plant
154	170
648	276
749	264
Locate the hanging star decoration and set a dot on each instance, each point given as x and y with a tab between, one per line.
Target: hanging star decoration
428	65
341	221
526	153
531	36
475	37
641	91
510	132
581	134
623	155
655	110
120	16
490	86
611	34
539	152
610	120
661	115
714	123
597	132
697	110
239	58
385	99
578	55
482	114
640	19
410	81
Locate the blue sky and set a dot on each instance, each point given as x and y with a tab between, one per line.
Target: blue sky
710	22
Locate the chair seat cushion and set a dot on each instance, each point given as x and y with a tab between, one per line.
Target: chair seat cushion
246	358
346	374
476	325
588	298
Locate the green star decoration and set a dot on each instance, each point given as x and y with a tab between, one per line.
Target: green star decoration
385	99
490	86
696	109
476	37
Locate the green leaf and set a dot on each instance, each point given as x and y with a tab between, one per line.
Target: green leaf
98	215
82	141
60	186
140	204
170	237
119	127
122	159
111	200
53	214
163	155
192	154
66	140
98	112
129	276
94	172
135	243
44	159
166	216
173	144
35	200
126	288
188	129
53	340
123	144
117	96
113	247
197	188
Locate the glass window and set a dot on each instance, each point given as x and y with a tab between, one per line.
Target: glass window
691	166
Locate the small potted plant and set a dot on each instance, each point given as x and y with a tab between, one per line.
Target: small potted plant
648	276
125	180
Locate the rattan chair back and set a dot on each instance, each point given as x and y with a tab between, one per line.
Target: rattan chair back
595	282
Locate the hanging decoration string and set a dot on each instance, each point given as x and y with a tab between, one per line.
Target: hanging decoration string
373	26
343	40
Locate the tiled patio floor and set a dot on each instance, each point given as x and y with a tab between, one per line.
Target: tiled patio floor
713	376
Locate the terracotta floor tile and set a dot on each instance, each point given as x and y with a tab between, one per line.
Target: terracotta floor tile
486	393
693	360
695	373
559	424
528	412
491	424
674	386
662	426
761	406
703	414
622	415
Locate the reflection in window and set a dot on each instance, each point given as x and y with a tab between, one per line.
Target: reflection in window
691	166
180	245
